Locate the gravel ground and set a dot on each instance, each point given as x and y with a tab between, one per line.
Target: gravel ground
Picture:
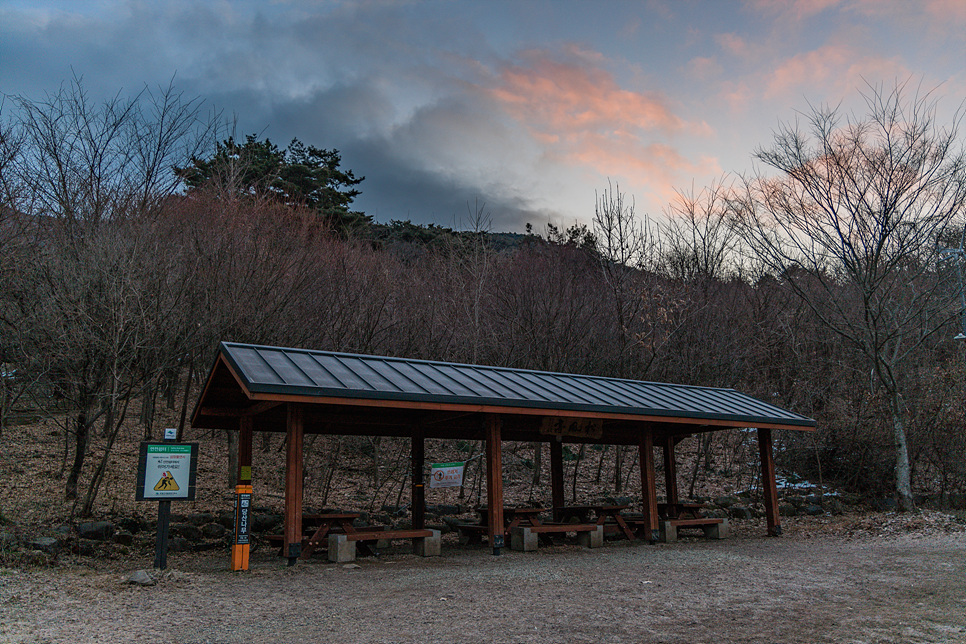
801	588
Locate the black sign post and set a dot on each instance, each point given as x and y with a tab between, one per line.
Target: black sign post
161	542
166	472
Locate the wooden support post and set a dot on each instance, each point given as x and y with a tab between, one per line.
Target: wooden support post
768	486
494	481
556	476
293	483
670	471
648	486
241	544
418	483
246	425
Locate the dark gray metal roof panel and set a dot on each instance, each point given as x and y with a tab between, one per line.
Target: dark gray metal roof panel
277	370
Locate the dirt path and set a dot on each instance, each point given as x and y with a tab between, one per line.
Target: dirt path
745	589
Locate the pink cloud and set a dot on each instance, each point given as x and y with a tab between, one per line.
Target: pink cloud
835	68
947	11
796	9
644	163
582	118
573	99
943	14
732	44
704	68
737	95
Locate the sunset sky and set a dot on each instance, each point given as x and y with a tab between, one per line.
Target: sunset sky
528	106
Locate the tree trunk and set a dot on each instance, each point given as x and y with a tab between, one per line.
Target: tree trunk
466	474
184	401
108	409
618	466
80	451
98	477
600	463
330	468
170	383
573	487
903	478
537	461
148	397
5	396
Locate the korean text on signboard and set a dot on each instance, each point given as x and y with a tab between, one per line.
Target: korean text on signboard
166	471
446	475
242	517
574	427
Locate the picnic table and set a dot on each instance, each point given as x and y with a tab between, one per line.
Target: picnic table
680	516
512	517
524	527
608	516
317	528
680	510
321	525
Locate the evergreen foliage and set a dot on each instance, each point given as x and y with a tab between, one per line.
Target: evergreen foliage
299	175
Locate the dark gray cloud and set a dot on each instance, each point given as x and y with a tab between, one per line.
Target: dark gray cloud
357	77
440	103
397	191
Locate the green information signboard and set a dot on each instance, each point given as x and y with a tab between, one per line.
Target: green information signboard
166	471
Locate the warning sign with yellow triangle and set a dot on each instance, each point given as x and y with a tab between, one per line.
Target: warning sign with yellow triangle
167	483
166	471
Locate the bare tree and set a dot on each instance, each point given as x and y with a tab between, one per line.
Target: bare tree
624	247
89	305
697	240
16	242
851	224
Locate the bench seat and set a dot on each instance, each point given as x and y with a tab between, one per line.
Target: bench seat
714	528
377	533
342	547
526	538
544	528
366	534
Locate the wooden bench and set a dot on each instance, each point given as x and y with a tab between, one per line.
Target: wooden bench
472	532
376	534
372	533
690	510
512	517
713	528
342	547
526	538
563	527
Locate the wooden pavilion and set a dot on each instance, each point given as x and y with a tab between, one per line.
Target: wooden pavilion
296	391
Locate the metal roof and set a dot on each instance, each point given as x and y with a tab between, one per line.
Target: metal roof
300	372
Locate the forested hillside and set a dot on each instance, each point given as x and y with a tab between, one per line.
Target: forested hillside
819	288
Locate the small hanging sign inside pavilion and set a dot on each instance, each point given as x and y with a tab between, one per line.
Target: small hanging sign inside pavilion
446	475
573	427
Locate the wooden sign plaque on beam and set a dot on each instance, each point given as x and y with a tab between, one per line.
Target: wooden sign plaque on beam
574	427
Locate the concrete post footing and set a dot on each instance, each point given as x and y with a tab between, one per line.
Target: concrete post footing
593	539
428	546
523	539
341	550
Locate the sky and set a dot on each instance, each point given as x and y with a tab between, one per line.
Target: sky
528	108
